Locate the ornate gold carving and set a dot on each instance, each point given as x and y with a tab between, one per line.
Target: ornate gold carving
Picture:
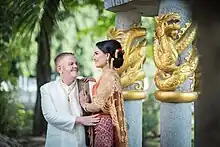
170	42
197	79
139	85
134	44
176	97
134	95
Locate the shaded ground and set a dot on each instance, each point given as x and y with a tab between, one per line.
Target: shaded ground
39	142
6	141
152	142
32	142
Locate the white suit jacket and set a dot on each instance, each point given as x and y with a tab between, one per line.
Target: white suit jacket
61	129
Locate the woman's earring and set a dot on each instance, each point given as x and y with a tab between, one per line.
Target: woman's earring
107	61
112	60
116	53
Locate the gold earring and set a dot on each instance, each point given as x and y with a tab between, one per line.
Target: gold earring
116	53
111	65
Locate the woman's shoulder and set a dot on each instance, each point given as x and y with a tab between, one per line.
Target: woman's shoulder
111	73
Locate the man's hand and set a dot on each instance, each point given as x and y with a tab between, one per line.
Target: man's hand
87	79
88	120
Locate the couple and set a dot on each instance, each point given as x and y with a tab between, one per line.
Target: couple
66	103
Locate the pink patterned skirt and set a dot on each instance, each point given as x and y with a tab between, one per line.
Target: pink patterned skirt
103	134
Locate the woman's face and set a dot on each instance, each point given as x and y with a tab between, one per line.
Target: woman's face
100	58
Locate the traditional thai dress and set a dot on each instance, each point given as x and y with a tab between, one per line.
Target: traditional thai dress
111	131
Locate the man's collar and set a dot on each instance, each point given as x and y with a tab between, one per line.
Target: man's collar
70	86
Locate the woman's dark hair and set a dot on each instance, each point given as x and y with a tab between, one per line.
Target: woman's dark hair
110	46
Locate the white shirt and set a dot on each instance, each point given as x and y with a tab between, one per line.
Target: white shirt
73	96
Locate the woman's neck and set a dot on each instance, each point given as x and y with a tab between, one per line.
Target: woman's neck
105	68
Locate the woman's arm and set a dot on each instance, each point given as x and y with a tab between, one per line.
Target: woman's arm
104	96
91	107
88	107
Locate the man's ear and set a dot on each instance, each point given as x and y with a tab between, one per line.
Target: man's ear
59	69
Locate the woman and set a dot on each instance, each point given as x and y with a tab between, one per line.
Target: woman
107	98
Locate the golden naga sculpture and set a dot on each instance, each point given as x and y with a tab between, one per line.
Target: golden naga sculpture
134	44
170	42
168	45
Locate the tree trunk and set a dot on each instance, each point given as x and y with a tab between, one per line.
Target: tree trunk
43	65
43	76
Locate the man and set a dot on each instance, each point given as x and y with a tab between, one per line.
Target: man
61	108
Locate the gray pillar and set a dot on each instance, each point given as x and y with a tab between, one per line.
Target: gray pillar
176	118
133	111
133	108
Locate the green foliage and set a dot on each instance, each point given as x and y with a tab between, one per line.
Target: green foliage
149	24
78	31
14	119
8	62
150	117
103	23
78	25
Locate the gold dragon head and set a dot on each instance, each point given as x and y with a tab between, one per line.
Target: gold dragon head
168	24
133	42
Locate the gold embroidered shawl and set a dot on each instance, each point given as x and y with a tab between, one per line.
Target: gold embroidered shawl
109	98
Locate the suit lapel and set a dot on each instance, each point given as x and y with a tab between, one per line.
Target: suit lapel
60	97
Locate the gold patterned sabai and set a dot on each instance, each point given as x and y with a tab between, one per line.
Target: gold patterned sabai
133	42
170	42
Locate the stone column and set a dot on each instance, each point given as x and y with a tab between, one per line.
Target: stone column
132	38
176	61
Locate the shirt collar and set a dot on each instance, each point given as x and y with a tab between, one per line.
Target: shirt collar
70	87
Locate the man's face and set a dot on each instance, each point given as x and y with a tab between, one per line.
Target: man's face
68	67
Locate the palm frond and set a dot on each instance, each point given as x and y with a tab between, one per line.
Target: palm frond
28	13
33	14
49	20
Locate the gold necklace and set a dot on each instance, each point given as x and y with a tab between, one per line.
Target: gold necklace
68	92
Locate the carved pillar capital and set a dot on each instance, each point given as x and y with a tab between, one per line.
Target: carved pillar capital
176	58
133	40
